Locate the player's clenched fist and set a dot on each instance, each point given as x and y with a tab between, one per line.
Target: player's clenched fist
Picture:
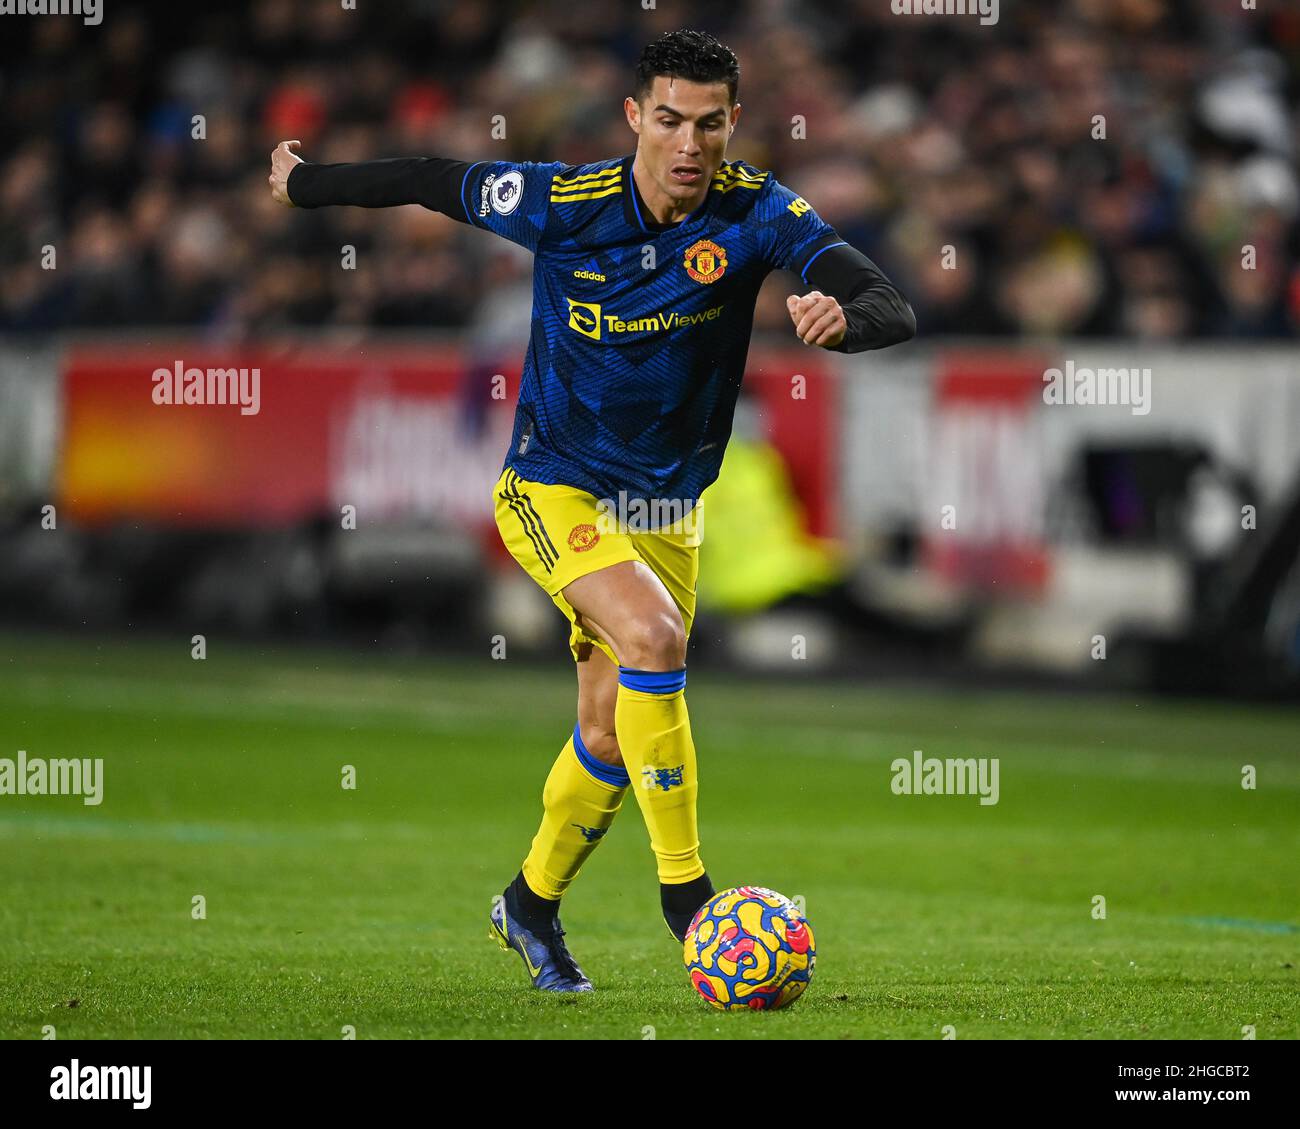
282	162
818	319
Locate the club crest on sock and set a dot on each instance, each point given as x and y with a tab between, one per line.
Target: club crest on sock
664	778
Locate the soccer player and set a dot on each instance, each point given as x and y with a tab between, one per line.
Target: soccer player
646	271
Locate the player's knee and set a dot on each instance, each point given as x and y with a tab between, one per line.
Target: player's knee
656	642
601	743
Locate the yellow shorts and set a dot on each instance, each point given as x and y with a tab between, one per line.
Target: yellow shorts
559	533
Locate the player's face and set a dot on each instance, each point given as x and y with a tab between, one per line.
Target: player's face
683	128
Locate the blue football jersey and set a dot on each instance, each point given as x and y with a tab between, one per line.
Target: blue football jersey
639	336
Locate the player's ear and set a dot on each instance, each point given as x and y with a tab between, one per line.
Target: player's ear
633	111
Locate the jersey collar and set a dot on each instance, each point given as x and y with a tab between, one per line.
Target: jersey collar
637	214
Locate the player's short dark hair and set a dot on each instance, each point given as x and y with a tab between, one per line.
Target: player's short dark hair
693	55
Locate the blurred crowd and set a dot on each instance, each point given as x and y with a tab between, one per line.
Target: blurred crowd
1081	167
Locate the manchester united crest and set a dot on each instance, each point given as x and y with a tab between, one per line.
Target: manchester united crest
583	537
705	261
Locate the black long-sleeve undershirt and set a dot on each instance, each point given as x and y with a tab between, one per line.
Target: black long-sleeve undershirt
877	315
434	182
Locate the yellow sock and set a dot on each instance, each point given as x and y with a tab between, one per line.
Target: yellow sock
581	798
654	734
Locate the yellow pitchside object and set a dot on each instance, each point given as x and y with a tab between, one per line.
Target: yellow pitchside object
750	948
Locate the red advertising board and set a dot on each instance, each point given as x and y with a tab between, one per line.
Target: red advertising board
400	432
984	496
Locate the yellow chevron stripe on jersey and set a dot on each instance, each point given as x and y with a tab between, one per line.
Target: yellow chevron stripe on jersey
599	186
601	191
586	180
735	172
616	170
727	179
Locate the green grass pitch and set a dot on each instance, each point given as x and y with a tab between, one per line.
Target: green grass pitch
329	908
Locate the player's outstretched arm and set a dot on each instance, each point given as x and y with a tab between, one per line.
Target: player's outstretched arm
434	182
854	306
512	199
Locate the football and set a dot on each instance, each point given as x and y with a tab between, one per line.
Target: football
749	948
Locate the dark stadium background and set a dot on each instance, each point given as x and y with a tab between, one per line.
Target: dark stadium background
965	160
1114	552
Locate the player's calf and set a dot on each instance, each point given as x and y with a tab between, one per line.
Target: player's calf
601	741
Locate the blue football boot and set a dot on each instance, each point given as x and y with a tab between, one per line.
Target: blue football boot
550	964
